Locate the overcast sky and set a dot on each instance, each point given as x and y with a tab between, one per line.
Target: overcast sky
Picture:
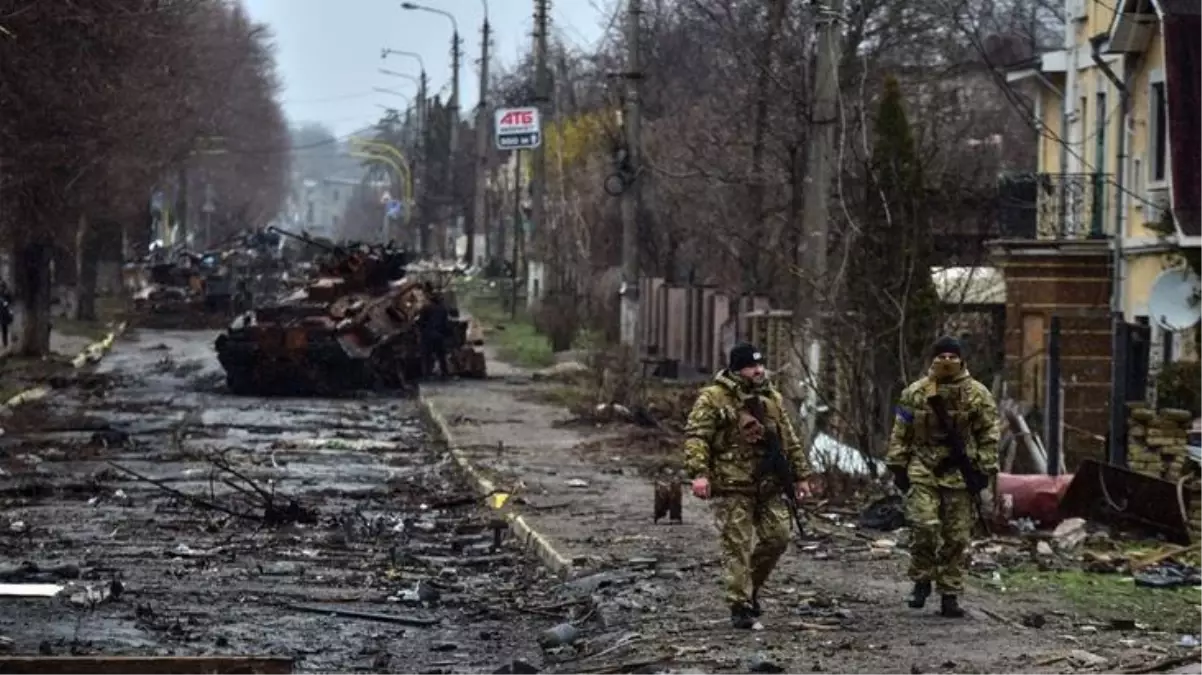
328	51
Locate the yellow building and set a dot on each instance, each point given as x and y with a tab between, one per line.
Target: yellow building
1117	181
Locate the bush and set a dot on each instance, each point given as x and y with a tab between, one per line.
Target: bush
1178	386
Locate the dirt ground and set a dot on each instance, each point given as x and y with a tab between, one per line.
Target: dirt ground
147	474
225	520
834	605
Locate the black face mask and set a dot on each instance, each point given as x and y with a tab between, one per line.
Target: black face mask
946	369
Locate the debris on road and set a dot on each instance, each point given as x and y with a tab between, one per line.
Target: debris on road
306	529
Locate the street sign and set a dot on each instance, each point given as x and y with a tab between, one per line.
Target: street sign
517	128
395	208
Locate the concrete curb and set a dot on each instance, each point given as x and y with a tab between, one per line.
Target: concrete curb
559	564
91	354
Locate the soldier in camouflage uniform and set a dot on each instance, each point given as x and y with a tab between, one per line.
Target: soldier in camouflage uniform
939	508
723	449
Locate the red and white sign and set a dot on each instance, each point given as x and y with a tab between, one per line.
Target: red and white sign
517	128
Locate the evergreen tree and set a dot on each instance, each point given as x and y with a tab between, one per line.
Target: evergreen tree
889	289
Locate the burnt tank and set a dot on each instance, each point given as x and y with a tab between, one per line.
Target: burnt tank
352	327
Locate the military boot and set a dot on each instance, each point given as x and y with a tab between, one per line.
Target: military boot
918	596
740	617
756	609
950	607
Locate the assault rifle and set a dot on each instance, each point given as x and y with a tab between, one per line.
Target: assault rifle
958	459
776	464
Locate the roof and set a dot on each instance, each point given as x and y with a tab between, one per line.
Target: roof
977	285
1046	63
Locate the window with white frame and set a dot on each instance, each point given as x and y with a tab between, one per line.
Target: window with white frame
1158	133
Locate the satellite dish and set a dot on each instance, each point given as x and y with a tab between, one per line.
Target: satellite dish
1173	302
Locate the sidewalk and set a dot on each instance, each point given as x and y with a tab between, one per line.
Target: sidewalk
837	606
66	345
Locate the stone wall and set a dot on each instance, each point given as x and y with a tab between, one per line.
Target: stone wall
1156	441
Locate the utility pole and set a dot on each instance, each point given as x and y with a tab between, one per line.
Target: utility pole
419	180
181	210
456	209
480	211
815	217
632	198
517	231
538	167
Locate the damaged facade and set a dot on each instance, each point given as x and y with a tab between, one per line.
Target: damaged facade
1113	201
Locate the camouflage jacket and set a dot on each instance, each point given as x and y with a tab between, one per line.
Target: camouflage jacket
917	443
715	446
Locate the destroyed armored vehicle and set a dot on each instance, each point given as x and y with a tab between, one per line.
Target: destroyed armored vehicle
353	327
183	290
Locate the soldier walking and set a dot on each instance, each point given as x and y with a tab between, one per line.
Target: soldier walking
724	447
939	498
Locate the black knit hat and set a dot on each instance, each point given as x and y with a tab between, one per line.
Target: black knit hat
946	345
743	355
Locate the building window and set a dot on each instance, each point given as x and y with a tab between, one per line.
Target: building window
1158	133
335	195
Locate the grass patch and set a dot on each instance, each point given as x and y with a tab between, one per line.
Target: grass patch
1110	596
515	338
109	310
575	397
20	373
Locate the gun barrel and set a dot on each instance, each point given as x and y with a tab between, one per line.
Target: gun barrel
300	237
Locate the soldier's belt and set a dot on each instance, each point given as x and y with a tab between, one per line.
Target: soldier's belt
767	489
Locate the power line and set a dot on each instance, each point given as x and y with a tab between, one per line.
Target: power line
329	99
1042	129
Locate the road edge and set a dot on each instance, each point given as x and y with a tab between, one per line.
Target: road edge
559	564
90	354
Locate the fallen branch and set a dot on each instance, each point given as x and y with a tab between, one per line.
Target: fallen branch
1165	664
366	616
628	666
1160	557
198	501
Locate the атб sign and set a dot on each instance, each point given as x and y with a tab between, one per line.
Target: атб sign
517	128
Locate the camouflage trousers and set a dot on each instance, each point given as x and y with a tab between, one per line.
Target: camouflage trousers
941	521
753	533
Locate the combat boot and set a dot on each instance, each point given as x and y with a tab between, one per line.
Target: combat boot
918	596
756	609
741	618
950	607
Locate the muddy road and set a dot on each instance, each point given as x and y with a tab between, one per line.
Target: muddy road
185	521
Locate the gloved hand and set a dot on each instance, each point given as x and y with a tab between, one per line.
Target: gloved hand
901	478
977	481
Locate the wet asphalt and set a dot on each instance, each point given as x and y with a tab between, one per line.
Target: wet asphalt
218	516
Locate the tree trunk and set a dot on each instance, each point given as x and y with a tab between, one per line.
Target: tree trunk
755	245
86	270
32	267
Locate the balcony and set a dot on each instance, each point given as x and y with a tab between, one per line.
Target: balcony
1054	206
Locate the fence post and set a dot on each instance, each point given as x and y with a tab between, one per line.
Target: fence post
1053	427
1121	342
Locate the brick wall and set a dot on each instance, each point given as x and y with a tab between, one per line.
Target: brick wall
1042	282
1156	446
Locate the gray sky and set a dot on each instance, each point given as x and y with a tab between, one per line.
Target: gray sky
328	51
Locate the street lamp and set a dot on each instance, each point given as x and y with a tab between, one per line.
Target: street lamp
453	140
407	76
386	52
455	54
479	215
421	86
393	92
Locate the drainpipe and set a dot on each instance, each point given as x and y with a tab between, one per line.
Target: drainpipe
1118	382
